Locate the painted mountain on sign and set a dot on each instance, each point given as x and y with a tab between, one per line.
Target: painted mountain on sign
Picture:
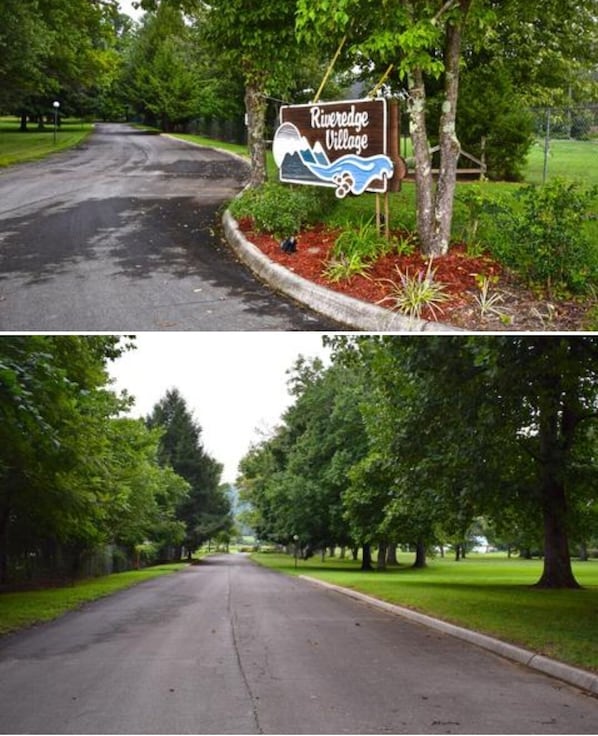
300	162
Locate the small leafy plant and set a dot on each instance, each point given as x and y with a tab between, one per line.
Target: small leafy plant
488	301
346	267
365	241
405	244
354	251
413	293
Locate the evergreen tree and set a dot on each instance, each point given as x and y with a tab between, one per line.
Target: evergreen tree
206	509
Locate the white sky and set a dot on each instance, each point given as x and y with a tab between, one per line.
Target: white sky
126	7
235	383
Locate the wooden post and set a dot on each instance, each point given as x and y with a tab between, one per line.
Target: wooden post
386	216
394	137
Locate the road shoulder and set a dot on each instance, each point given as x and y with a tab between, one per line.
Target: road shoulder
572	675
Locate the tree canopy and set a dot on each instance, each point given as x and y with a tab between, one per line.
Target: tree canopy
78	476
413	441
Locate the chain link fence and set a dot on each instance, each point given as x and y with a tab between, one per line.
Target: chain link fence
568	123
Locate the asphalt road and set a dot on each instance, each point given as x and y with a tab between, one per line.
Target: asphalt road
229	647
123	234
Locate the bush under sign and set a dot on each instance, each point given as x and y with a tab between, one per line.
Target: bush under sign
335	144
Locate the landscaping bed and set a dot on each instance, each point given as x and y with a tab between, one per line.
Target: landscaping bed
477	293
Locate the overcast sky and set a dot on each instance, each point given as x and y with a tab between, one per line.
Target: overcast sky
127	7
235	383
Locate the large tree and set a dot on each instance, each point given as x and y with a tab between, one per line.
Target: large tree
160	75
520	421
259	39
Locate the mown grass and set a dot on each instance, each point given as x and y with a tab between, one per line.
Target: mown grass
487	594
577	160
21	609
17	147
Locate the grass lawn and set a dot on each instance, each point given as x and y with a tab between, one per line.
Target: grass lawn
18	610
222	145
17	147
487	594
570	159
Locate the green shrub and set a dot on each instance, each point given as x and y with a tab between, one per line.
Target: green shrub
541	236
365	242
283	210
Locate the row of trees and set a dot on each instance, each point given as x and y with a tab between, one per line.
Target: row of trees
58	49
77	474
466	71
410	440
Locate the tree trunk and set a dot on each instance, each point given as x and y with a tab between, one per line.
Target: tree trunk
435	207
255	106
557	572
556	428
366	560
450	148
381	562
23	127
391	555
420	554
424	183
4	546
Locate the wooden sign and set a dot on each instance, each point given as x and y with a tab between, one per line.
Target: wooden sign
335	144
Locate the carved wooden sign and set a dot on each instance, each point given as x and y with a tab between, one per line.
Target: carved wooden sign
335	144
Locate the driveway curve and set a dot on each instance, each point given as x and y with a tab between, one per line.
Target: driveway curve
230	647
123	234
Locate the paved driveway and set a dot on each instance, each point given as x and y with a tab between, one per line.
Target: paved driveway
229	647
122	234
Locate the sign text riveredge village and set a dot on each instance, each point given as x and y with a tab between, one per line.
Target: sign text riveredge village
335	144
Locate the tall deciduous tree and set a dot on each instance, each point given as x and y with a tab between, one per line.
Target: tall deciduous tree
522	412
259	39
54	48
423	39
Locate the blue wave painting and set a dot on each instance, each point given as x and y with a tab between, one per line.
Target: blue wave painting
352	173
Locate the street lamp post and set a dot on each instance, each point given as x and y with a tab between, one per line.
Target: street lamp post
296	539
55	105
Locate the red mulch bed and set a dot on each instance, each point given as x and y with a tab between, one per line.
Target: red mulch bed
517	309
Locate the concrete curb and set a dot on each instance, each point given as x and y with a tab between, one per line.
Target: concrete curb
348	311
571	675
